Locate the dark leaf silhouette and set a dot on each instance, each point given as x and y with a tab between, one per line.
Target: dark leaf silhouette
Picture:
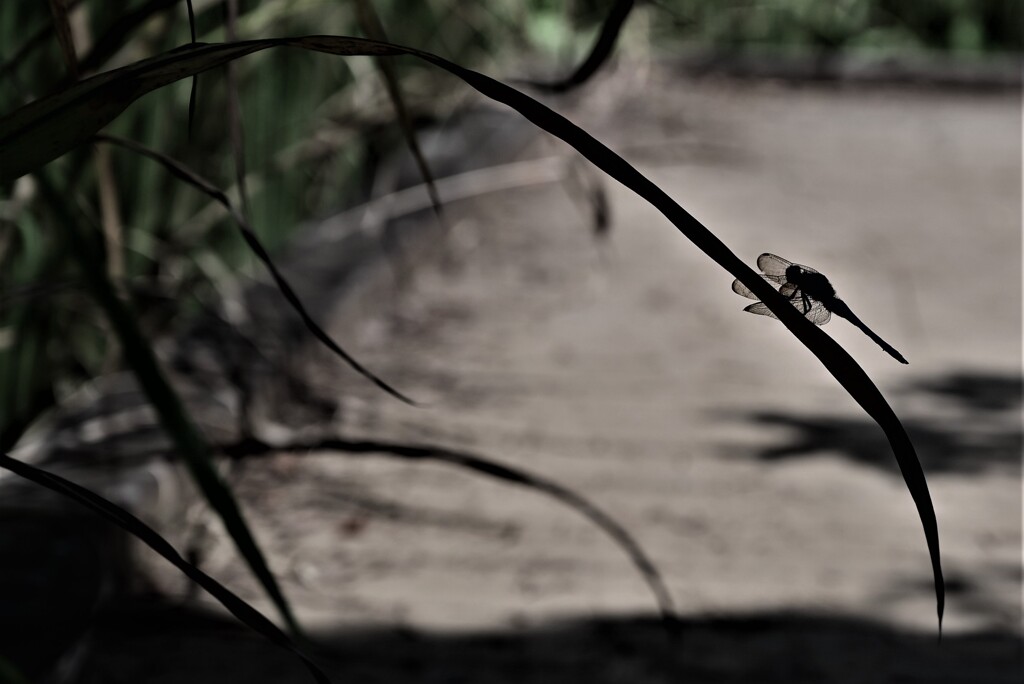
129	523
189	442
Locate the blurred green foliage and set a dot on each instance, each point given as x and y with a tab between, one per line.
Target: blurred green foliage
314	128
959	26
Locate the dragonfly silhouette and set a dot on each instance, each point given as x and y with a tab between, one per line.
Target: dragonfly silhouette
810	292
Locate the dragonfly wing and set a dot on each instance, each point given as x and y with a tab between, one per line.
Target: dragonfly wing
741	289
773	267
797	297
810	307
761	309
818	314
790	291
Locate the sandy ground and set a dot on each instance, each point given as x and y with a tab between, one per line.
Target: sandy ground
623	368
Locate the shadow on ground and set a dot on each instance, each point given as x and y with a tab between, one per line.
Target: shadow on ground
161	644
979	428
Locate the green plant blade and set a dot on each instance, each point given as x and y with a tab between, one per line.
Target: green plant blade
138	529
191	446
205	186
43	130
370	23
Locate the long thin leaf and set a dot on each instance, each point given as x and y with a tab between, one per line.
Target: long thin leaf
62	29
610	30
370	23
138	529
195	77
117	34
235	128
200	183
175	420
45	129
34	41
486	466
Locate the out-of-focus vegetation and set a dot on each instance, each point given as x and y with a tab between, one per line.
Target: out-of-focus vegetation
962	27
314	127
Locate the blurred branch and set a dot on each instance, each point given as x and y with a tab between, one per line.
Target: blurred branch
490	468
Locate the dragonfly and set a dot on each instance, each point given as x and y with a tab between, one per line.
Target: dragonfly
810	292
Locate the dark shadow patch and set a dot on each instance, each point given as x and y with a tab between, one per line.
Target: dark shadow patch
979	428
147	643
978	391
941	445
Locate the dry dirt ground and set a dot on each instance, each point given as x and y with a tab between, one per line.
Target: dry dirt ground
623	368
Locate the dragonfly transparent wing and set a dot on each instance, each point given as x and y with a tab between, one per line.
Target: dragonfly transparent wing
744	291
741	289
774	267
761	309
813	309
817	314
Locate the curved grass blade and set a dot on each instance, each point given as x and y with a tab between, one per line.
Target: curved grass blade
62	29
599	54
40	131
195	77
38	37
235	128
124	26
191	446
485	466
372	27
193	179
138	529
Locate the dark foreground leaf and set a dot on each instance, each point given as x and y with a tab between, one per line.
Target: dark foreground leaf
175	420
129	523
45	129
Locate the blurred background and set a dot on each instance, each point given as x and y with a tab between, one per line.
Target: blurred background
552	321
